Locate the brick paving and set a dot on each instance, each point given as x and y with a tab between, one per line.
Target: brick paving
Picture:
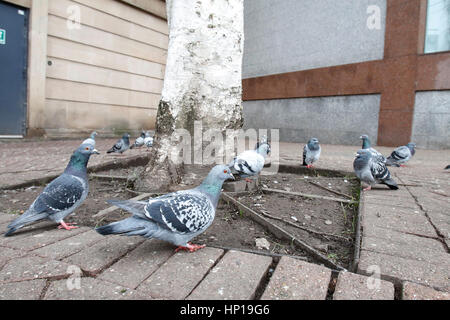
405	236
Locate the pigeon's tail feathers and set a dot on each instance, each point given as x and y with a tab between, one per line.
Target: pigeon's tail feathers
130	227
25	219
391	184
132	146
137	208
110	150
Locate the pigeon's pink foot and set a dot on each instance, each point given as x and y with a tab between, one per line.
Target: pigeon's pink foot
248	180
402	165
368	188
309	166
67	226
190	247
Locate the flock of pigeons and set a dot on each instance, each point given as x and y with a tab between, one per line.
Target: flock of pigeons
178	217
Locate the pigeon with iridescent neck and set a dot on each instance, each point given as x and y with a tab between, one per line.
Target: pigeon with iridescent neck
61	196
311	152
176	217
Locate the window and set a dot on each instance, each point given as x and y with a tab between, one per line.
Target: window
437	33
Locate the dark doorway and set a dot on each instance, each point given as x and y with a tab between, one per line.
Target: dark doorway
13	68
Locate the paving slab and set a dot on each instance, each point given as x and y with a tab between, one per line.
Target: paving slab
6	218
69	246
235	277
434	273
352	286
7	254
25	290
33	267
44	238
294	279
399	219
180	274
138	264
102	254
402	238
413	250
27	231
414	291
90	289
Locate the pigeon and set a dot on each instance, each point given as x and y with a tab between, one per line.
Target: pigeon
91	139
148	140
61	196
261	141
250	162
311	152
176	217
139	142
401	155
371	169
121	145
367	145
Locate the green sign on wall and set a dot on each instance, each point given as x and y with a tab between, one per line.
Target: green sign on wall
2	36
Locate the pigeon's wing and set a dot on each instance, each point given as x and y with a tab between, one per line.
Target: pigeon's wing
117	146
401	153
249	162
60	195
181	212
378	167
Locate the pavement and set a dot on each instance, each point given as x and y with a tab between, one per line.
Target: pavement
404	252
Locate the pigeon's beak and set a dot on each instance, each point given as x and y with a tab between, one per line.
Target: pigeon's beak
95	151
232	177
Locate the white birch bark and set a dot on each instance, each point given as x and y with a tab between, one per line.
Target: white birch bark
202	79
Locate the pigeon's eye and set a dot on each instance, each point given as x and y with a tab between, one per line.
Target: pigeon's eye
225	171
87	148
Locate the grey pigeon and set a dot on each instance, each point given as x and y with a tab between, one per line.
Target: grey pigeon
121	145
91	139
371	169
139	142
367	145
61	196
176	217
401	155
311	152
148	140
250	162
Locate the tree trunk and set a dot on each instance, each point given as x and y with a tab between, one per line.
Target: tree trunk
202	81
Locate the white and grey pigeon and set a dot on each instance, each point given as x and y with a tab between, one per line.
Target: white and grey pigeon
121	145
401	155
261	141
311	152
250	162
91	139
139	142
148	140
370	169
61	196
367	145
176	217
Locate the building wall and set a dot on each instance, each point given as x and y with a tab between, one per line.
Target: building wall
107	74
335	120
431	125
284	35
